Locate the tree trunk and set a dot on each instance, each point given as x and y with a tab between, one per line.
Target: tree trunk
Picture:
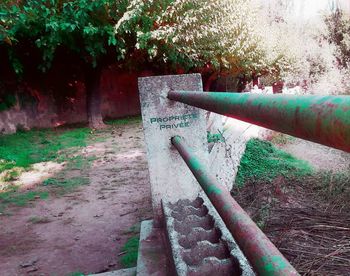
93	97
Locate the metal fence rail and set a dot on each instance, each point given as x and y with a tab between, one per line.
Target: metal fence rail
259	250
321	119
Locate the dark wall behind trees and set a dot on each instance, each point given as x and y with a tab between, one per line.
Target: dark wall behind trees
59	96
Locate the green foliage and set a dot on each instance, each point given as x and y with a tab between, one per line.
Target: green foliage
262	161
83	26
13	197
23	149
129	259
184	34
7	102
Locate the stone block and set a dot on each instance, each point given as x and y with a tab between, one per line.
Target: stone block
170	177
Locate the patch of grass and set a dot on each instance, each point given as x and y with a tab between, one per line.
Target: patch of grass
131	247
38	220
263	162
79	162
13	197
23	149
125	121
66	184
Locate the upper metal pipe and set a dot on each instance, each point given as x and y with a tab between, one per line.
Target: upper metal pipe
321	119
259	250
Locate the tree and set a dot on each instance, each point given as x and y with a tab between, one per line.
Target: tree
221	35
338	34
80	27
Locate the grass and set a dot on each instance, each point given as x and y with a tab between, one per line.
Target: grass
131	247
79	162
23	149
264	162
65	185
125	121
14	197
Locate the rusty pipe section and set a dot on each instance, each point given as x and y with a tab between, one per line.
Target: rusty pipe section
320	119
259	250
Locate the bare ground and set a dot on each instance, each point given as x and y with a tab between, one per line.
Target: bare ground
83	230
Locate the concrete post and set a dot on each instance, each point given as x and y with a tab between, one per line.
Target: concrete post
171	179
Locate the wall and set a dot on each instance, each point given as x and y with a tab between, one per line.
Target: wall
43	109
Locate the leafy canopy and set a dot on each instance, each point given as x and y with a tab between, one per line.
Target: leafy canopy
186	33
83	26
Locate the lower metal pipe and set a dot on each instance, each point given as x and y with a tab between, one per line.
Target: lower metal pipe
259	250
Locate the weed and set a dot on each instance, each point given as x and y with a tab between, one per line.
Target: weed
37	220
262	161
131	247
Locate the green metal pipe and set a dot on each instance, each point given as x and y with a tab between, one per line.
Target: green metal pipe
259	250
321	119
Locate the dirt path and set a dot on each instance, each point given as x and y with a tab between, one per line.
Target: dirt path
83	230
319	156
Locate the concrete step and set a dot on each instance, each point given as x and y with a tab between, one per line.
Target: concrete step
200	242
153	255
